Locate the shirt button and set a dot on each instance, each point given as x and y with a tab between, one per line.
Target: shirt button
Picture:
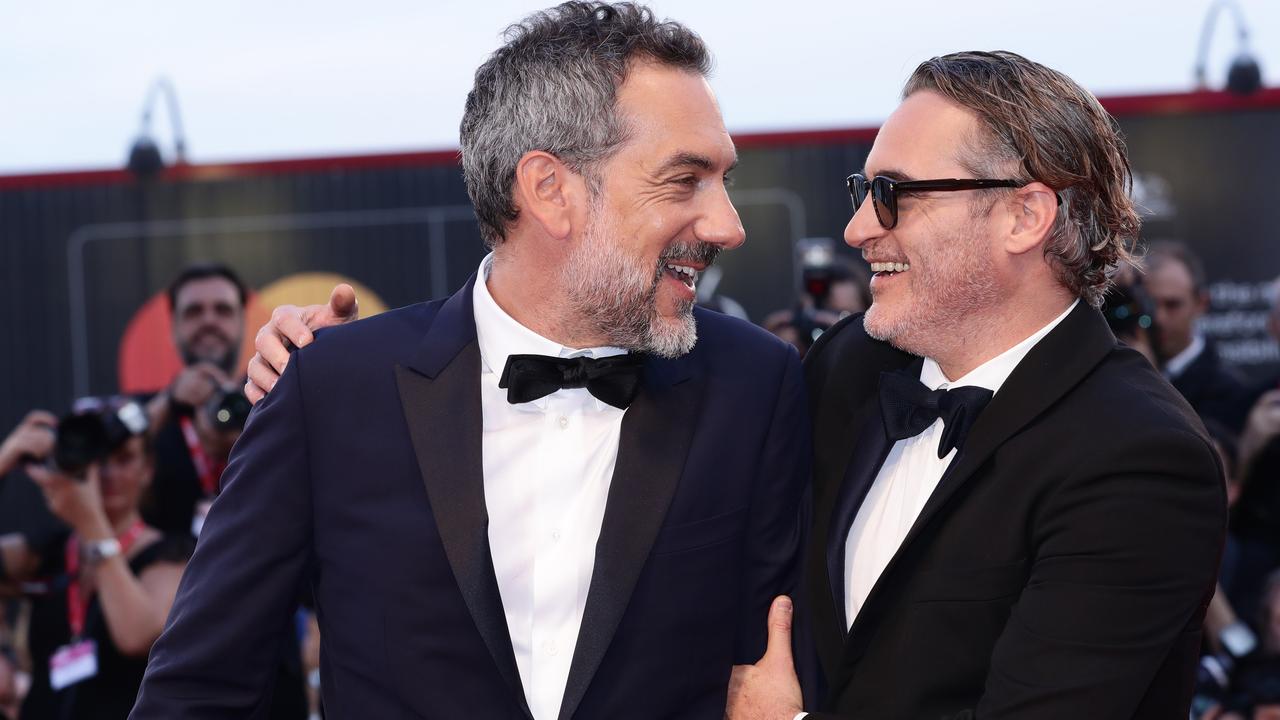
549	647
555	535
564	422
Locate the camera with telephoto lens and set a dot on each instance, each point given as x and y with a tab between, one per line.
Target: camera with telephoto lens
93	429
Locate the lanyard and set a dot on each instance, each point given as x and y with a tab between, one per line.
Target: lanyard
210	472
78	605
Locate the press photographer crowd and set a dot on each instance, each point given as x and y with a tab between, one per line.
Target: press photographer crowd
89	577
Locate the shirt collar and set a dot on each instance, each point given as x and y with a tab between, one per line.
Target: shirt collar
992	373
499	335
1178	363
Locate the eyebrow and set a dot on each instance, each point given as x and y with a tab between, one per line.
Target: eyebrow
692	160
892	174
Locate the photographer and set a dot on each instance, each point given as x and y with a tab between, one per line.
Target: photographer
198	417
101	589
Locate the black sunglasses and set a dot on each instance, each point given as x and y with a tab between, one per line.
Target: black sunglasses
884	192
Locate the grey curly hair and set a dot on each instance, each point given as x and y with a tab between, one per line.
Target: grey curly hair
552	87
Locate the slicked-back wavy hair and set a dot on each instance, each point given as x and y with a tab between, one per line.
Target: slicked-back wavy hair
1051	130
553	87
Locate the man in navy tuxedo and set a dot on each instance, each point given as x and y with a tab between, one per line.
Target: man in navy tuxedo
563	492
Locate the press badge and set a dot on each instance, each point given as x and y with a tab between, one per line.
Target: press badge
73	663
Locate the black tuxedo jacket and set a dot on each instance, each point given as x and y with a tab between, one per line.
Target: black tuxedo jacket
361	474
1214	389
1060	569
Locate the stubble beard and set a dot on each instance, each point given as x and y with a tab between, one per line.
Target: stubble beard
951	294
616	295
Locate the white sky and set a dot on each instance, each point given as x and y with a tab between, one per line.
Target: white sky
294	78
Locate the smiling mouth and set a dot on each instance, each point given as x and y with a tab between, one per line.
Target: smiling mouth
686	274
889	268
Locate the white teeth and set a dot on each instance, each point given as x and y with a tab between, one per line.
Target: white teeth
685	269
890	267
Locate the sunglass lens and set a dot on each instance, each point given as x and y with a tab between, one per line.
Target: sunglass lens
885	201
857	190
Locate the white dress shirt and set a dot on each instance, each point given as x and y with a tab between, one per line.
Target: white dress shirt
1178	363
547	469
909	475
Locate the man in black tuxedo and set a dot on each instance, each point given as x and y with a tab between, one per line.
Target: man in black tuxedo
559	493
1175	280
1014	516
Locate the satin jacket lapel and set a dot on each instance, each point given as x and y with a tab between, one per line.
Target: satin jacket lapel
656	433
1054	366
440	392
869	452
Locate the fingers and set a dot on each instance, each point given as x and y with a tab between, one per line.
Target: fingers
40	474
253	392
262	377
270	343
778	649
343	304
290	323
40	418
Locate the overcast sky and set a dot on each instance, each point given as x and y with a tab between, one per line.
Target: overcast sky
264	80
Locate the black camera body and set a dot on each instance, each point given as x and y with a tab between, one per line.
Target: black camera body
229	410
92	431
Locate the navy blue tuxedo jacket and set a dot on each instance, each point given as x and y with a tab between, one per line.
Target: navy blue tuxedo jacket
360	476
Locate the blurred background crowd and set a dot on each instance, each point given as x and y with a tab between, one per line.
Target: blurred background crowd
130	294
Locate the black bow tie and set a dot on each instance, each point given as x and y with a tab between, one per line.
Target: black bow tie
909	407
613	380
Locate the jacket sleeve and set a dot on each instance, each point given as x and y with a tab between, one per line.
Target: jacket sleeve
1128	552
222	644
774	532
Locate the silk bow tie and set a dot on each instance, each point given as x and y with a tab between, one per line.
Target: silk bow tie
613	380
909	407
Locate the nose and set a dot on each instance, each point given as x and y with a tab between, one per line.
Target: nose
863	227
720	224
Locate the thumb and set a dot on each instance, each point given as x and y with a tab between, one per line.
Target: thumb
778	650
343	303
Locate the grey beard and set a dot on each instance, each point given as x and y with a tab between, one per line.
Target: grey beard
620	303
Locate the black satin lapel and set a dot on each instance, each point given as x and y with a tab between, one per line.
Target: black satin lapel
869	452
656	433
445	424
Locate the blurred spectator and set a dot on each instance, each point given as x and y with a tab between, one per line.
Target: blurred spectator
1252	690
836	288
1255	520
800	327
101	590
1129	313
708	297
198	417
1176	284
833	288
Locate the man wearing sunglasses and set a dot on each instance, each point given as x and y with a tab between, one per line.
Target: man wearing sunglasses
1014	516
